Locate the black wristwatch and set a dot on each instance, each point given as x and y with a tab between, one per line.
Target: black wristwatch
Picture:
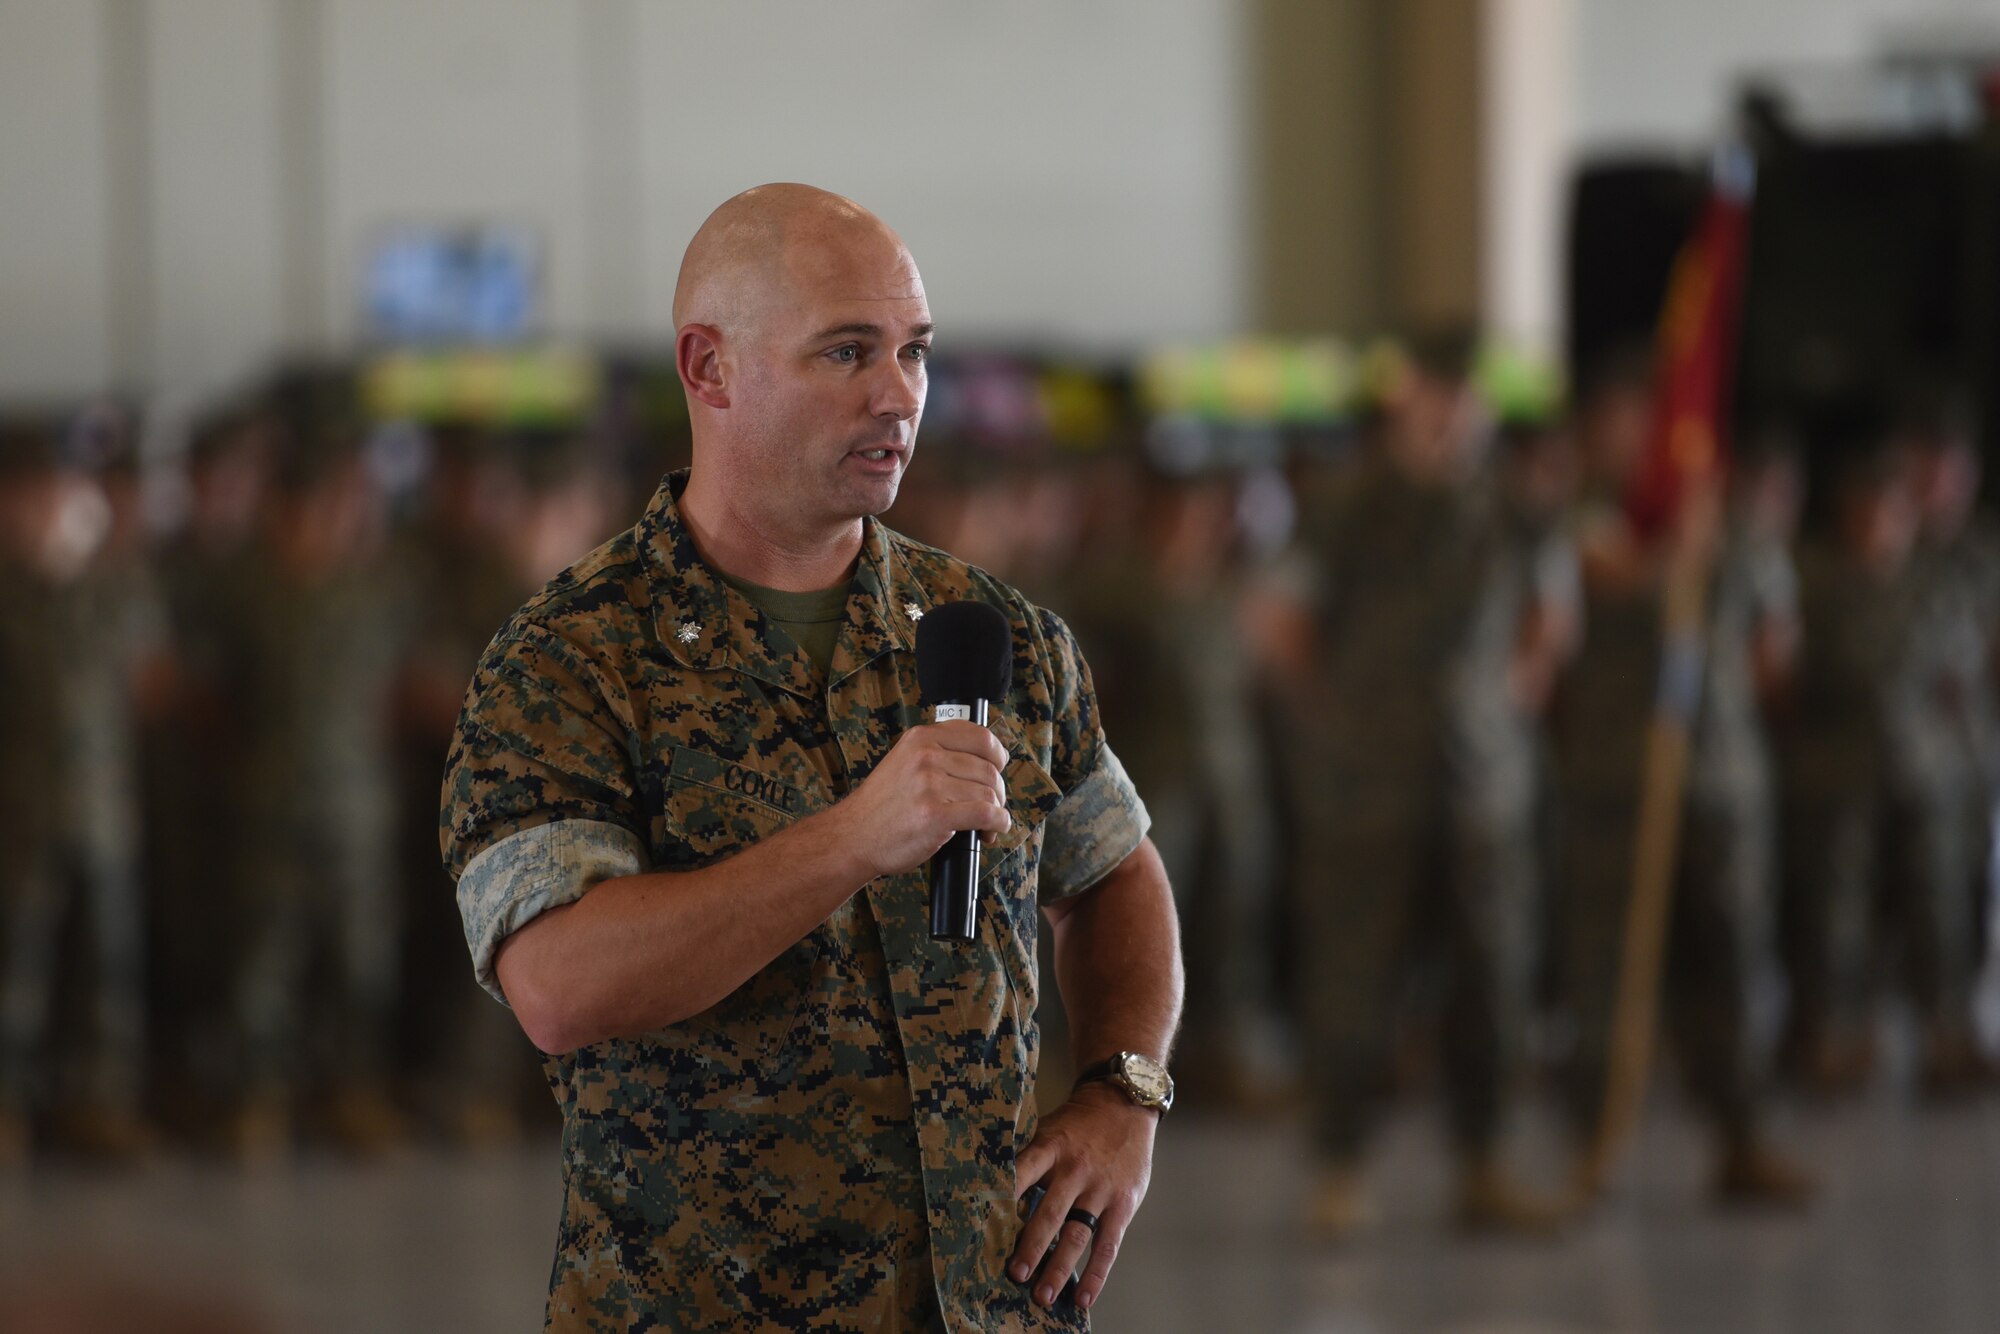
1141	1078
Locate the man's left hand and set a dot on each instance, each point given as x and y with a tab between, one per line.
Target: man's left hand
1095	1153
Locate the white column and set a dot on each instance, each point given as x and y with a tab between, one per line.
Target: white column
1528	88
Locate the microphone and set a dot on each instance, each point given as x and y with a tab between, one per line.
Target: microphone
965	660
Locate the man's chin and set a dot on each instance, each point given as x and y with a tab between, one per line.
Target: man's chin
867	496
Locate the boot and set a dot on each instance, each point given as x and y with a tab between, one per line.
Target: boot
362	1120
258	1130
1954	1064
106	1134
1832	1063
1339	1207
484	1124
15	1139
1490	1200
1752	1173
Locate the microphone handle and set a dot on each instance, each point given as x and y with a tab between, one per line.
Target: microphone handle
955	866
955	887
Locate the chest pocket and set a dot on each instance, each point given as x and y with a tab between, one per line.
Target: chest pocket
713	808
716	807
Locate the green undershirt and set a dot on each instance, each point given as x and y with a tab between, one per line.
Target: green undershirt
813	619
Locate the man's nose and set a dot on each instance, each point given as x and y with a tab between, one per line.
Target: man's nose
899	391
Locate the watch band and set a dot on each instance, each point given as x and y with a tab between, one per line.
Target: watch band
1101	1070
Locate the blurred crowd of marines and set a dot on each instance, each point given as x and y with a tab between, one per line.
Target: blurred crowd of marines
1384	688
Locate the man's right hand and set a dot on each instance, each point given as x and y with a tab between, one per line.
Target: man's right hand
937	779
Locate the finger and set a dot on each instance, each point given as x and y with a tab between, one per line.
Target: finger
971	787
1072	1239
1111	1227
1039	1232
972	768
971	739
978	813
1033	1164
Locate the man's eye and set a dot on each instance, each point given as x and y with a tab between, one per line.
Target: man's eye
918	352
846	353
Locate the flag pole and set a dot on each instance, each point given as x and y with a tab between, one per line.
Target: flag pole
1697	347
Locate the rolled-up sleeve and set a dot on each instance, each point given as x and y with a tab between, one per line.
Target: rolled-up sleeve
1098	824
1100	819
540	791
516	880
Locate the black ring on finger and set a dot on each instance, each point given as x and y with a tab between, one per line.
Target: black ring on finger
1083	1216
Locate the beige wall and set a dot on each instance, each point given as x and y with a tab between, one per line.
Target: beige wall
55	299
1063	170
188	184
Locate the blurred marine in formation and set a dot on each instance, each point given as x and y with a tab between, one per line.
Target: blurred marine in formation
1888	773
468	560
1159	618
318	643
1725	872
1433	615
1956	567
80	627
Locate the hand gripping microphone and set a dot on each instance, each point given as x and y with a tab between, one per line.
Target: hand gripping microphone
965	660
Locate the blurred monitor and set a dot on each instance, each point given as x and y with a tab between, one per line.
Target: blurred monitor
429	284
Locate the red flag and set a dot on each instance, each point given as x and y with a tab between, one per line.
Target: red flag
1697	355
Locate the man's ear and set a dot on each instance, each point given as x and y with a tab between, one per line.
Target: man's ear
698	358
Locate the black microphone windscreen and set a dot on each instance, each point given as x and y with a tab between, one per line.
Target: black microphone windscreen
965	651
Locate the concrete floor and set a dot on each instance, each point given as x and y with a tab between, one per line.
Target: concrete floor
1906	1238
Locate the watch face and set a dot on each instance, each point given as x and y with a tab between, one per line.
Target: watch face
1147	1079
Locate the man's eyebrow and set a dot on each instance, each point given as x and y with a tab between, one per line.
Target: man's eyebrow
866	330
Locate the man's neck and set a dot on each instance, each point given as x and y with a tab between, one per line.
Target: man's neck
740	540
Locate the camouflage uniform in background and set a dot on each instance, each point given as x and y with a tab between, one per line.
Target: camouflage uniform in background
1852	828
72	649
192	756
833	1144
1727	894
115	623
455	1041
1599	733
31	860
1959	585
1719	926
313	793
1231	923
191	751
1496	773
1397	842
1176	687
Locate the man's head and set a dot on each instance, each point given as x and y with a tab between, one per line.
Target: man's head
1434	421
802	335
1615	408
1938	426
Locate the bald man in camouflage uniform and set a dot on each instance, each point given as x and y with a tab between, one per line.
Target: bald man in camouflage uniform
689	809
